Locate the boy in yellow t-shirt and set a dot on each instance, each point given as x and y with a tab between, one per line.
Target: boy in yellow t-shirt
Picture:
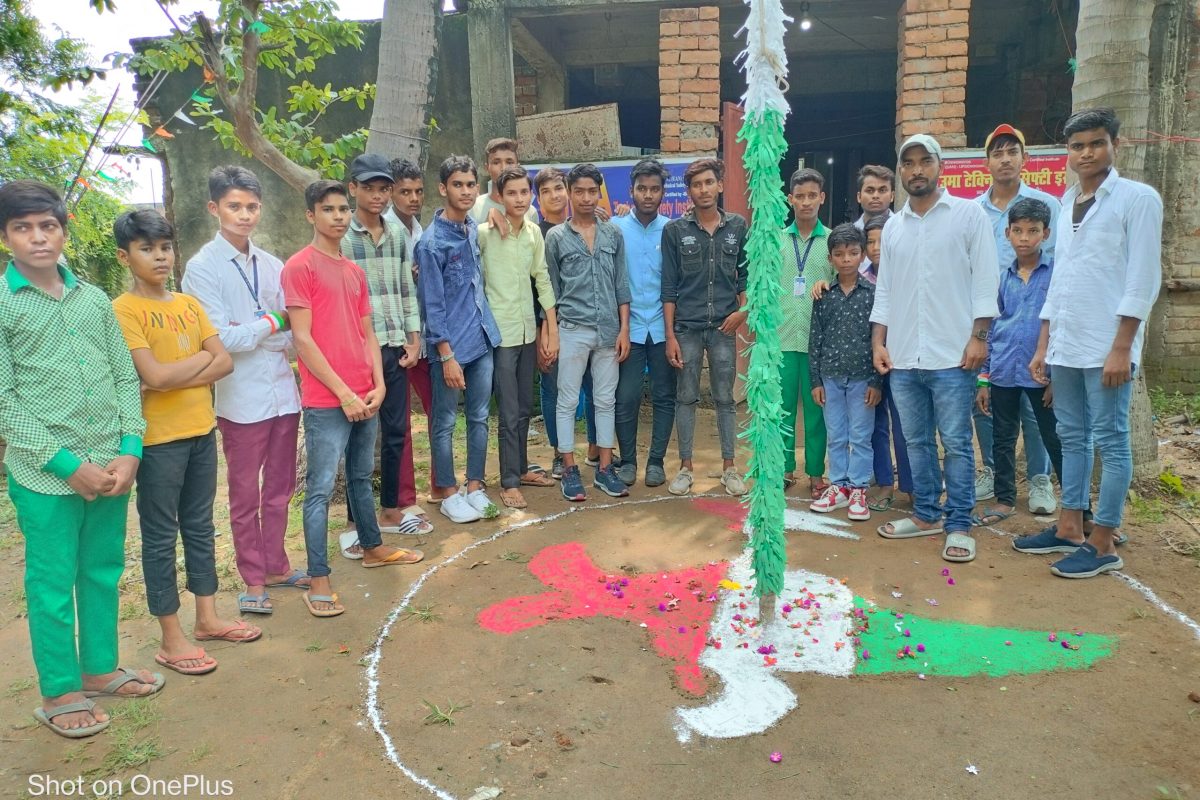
178	356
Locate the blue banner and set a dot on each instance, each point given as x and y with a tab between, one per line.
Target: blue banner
617	191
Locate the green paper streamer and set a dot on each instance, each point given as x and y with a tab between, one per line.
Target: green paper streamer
259	27
200	98
765	147
146	143
106	176
1072	65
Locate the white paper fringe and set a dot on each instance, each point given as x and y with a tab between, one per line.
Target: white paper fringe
764	59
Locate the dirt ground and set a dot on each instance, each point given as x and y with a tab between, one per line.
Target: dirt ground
585	708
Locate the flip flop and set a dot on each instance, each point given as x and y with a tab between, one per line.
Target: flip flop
346	541
991	516
511	502
788	482
906	529
541	479
960	540
816	489
410	525
290	582
397	556
310	598
47	719
882	503
226	634
416	511
127	676
196	655
253	603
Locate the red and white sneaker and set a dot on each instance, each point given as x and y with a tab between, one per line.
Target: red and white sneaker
857	505
835	497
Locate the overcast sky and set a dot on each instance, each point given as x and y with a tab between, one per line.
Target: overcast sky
110	32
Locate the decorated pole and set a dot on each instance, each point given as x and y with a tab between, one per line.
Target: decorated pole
765	63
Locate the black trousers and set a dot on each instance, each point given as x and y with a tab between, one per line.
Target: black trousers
393	417
512	383
1006	419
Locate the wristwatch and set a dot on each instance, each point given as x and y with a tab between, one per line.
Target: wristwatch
448	357
983	335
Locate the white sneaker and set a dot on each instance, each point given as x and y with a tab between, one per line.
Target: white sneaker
857	508
985	485
482	503
733	482
1041	495
835	497
681	484
457	509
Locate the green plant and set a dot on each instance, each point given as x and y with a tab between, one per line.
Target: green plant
314	646
424	613
19	686
136	714
440	716
1171	483
512	555
1146	509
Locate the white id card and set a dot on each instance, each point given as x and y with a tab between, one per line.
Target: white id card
798	286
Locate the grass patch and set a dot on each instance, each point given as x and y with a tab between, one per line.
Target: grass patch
424	613
314	647
19	686
512	555
199	753
126	754
1164	406
1147	509
136	714
442	716
131	609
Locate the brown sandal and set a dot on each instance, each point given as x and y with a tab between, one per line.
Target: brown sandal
536	479
816	489
514	502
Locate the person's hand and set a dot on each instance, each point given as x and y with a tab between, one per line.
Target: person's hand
622	345
499	222
547	352
873	396
623	210
374	399
416	271
1037	367
818	395
673	353
1048	396
1118	368
881	359
452	374
412	354
731	324
90	481
983	399
354	408
602	214
124	470
819	289
974	355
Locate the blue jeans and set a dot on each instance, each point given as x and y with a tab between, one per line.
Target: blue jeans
849	423
932	403
888	433
722	369
328	434
478	394
549	398
1037	460
1088	412
643	356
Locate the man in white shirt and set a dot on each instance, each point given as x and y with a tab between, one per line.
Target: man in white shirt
258	406
1107	274
934	304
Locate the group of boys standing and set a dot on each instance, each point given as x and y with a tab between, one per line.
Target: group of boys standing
890	350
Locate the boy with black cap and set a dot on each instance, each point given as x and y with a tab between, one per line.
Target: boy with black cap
380	247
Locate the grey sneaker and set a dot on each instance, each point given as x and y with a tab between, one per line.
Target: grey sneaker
1041	495
682	483
655	475
628	474
733	482
985	485
557	468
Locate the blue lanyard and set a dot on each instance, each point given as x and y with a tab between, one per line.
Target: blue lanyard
800	262
252	289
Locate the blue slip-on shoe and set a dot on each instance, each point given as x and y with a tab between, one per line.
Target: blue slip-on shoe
1086	563
608	481
1045	541
572	484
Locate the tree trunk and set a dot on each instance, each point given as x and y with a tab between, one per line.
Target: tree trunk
406	79
1113	56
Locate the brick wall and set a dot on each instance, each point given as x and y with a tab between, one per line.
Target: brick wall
689	78
931	75
526	90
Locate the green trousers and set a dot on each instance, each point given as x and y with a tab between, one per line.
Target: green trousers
74	556
797	391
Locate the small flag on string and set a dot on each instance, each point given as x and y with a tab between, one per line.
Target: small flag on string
105	176
259	27
83	183
163	132
1072	65
182	117
209	75
146	143
202	99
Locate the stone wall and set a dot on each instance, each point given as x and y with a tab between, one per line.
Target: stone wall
689	79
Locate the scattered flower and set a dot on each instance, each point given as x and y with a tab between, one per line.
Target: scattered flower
950	581
945	572
931	601
921	676
776	757
866	654
897	595
1053	637
907	632
728	584
971	768
920	648
681	629
1008	643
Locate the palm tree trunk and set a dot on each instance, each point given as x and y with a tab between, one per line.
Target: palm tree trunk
406	78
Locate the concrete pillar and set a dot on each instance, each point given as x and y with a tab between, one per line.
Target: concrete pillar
492	82
931	76
689	79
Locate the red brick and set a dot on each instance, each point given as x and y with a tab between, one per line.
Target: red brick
926	65
911	82
928	5
669	115
678	43
956	48
698	56
956	32
670	129
668	57
924	35
678	14
708	71
914	51
669	145
668	29
945	79
704	145
958	94
915	20
708	27
960	5
707	86
957	63
669	101
709	12
686	101
668	86
700	115
911	114
710	43
949	18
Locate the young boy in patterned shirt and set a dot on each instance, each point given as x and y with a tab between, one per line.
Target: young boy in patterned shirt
845	383
71	415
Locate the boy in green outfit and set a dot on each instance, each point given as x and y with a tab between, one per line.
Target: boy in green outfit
71	413
805	263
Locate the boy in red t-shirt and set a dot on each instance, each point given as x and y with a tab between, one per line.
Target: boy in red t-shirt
341	388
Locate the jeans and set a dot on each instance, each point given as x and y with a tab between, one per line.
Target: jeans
1089	412
512	379
888	433
932	403
629	400
578	349
549	401
176	484
327	435
849	423
1008	403
722	367
1037	459
478	395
